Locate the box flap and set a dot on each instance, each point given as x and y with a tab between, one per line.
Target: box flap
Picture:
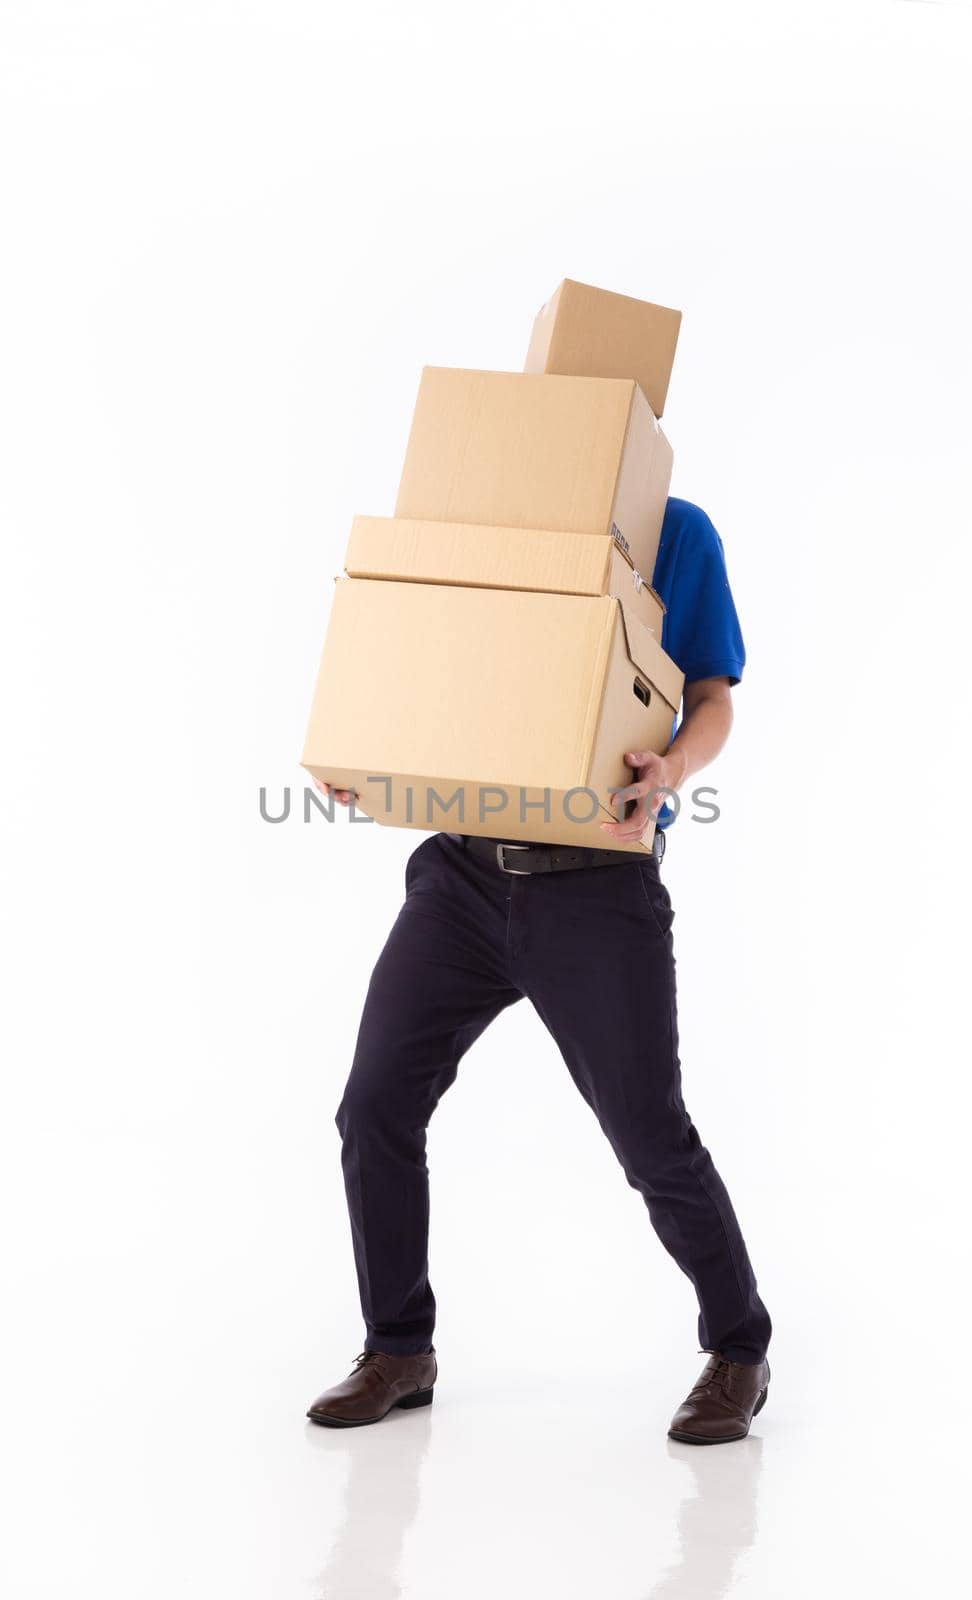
628	584
480	555
647	655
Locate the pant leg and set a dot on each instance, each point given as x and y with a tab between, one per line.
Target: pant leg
594	953
439	981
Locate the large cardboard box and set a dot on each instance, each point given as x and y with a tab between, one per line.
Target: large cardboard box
597	334
499	558
498	712
517	450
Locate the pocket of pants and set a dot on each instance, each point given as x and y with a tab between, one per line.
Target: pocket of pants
414	860
656	897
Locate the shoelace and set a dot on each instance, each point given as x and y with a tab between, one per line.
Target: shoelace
718	1372
370	1358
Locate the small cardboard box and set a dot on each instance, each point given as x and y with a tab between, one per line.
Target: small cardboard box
597	334
518	450
499	558
498	712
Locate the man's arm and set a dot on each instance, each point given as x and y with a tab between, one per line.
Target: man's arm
704	729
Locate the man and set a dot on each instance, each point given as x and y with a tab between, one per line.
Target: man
586	936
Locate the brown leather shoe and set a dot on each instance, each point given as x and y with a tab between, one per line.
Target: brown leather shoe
723	1403
376	1385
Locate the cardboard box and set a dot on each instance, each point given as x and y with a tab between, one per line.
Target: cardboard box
499	558
498	712
516	450
593	333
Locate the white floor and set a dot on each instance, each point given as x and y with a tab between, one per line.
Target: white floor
148	1460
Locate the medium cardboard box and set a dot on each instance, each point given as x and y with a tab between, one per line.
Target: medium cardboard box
597	334
518	450
499	558
498	712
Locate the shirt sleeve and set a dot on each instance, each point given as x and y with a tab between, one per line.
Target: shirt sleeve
701	630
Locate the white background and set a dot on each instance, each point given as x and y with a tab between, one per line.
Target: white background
233	233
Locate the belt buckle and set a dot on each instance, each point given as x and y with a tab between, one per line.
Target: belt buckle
515	872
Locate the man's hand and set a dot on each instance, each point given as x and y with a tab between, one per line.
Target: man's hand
706	721
652	773
342	796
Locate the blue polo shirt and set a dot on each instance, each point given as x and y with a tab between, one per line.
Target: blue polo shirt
701	630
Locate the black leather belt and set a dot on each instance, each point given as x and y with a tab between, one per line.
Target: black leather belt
523	859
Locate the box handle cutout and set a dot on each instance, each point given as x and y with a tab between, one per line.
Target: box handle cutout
642	691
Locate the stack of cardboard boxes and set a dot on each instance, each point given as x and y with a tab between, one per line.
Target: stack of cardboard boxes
494	648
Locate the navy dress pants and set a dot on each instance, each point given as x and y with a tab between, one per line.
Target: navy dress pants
591	948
